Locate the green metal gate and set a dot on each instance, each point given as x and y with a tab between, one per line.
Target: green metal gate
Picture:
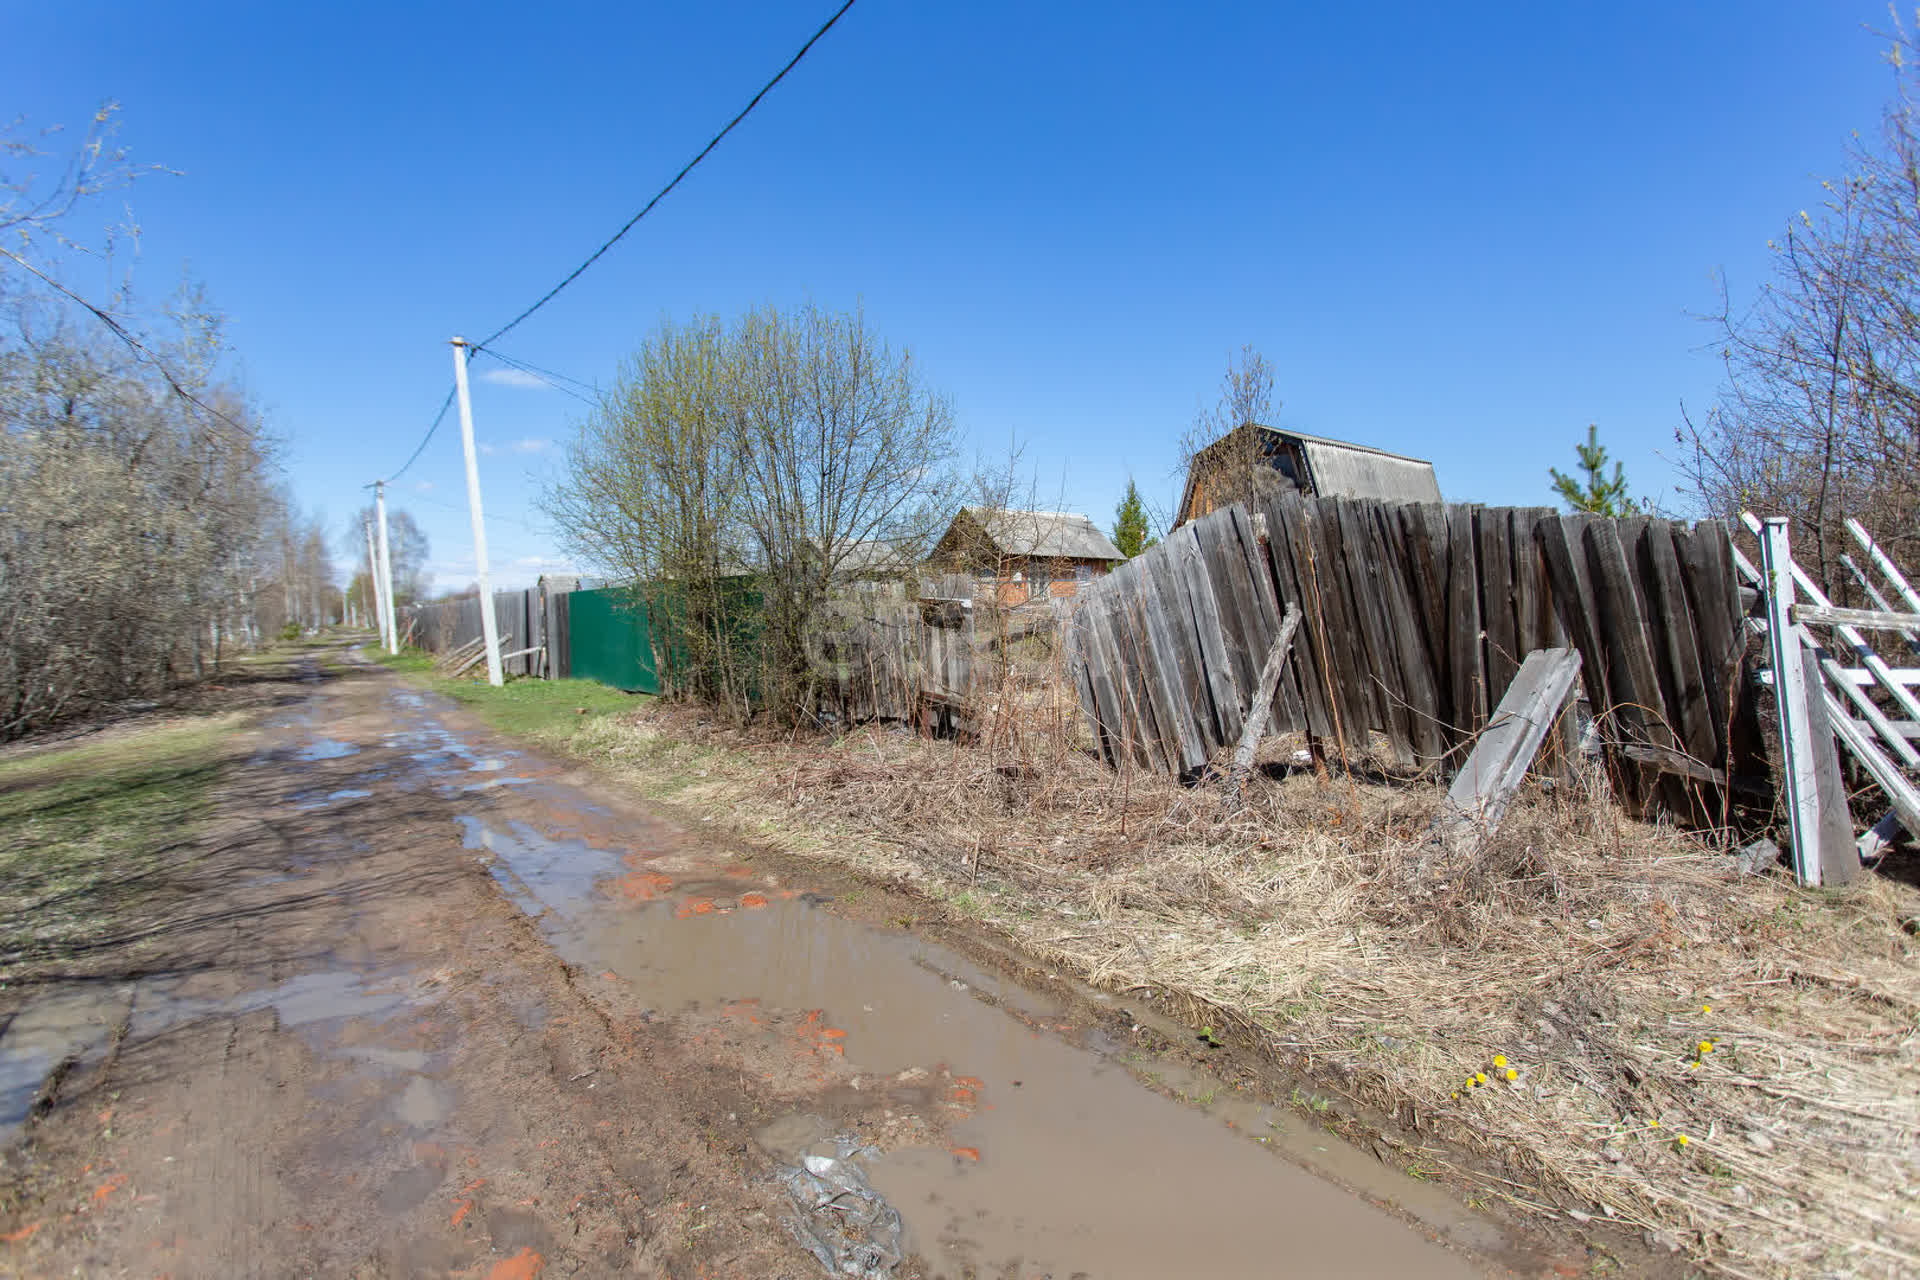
610	640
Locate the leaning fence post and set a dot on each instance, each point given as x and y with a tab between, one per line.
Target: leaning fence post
1808	809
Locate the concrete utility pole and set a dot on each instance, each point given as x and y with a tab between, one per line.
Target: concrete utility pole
489	626
373	583
386	568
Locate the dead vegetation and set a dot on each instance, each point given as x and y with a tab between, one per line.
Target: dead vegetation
1722	1060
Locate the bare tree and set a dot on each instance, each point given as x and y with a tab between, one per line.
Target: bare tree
407	547
1819	419
753	461
1224	457
134	482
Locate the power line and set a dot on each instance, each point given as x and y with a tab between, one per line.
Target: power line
548	377
595	256
530	367
573	275
421	448
488	516
125	335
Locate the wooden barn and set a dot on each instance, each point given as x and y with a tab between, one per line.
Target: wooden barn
1017	556
1272	459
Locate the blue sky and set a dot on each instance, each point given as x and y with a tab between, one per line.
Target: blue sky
1461	232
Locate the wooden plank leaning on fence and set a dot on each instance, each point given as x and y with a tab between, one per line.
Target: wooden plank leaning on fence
1501	756
463	656
1262	705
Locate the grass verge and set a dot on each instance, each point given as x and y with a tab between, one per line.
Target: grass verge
550	712
1616	1022
90	833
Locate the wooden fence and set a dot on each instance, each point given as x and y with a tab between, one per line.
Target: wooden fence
1416	618
440	626
885	654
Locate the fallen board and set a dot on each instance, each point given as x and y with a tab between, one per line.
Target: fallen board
1484	787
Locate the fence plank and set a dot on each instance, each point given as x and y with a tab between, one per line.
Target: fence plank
1344	649
1417	693
1286	542
1563	543
1154	732
1464	655
1672	618
1485	785
1492	529
1177	654
1190	570
1256	553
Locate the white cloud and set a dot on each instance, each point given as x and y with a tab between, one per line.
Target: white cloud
486	449
532	445
423	486
516	378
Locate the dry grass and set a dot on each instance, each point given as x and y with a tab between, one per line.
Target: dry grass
1594	954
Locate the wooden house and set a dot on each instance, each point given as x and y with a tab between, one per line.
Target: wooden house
1255	458
1017	556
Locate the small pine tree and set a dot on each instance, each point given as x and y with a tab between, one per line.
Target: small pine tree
1602	495
1130	524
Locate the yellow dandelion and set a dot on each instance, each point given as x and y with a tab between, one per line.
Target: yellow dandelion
1706	1008
1693	1066
1682	1139
1706	1046
1512	1074
1499	1059
1653	1124
1479	1077
1456	1095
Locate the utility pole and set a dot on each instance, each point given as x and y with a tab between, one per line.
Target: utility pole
489	625
386	567
373	584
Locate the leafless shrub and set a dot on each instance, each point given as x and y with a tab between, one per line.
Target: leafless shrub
1820	416
734	474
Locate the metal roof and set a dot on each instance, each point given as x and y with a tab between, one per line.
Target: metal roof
1342	470
1339	468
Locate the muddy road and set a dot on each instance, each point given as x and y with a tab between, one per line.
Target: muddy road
440	1007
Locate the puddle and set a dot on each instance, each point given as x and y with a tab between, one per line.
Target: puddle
538	871
397	1059
1059	1161
423	1104
74	1024
326	749
310	998
1055	1160
491	783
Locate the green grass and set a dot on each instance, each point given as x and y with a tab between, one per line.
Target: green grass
545	710
407	661
90	834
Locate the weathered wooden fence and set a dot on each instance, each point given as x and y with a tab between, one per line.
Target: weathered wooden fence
884	653
439	626
1416	618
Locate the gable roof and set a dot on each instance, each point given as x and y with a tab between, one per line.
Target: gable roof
1338	469
1040	535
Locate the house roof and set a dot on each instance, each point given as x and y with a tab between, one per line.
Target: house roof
874	556
1045	535
1341	469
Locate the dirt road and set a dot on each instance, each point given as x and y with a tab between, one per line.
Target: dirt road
440	1008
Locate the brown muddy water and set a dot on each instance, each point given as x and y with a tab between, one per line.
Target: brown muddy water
1039	1152
1058	1161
